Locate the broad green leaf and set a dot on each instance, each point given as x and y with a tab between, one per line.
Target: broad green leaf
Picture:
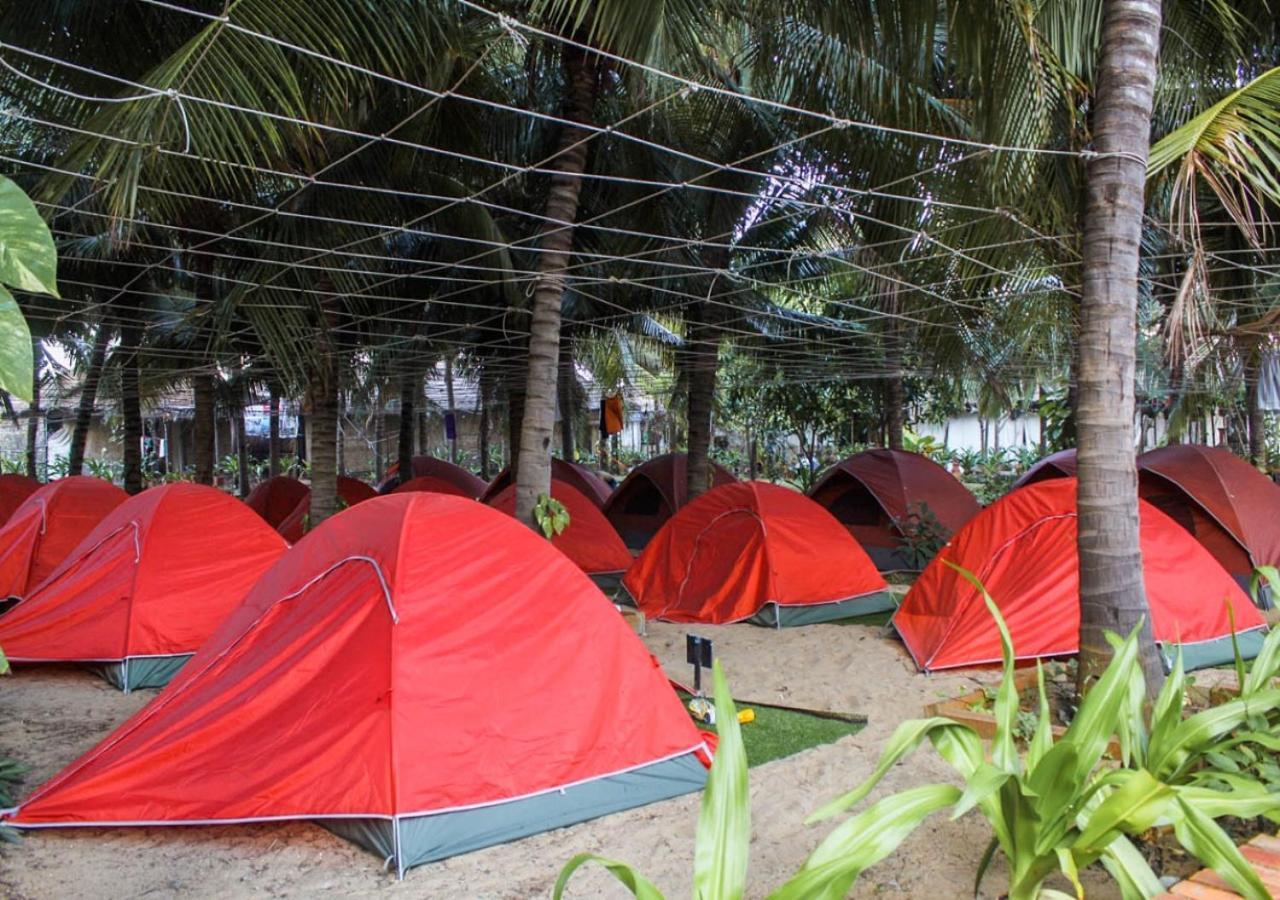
1098	717
28	258
1247	799
1042	740
979	786
4	663
1132	808
15	349
862	841
639	886
1267	662
1131	871
724	825
1067	863
1201	836
1205	727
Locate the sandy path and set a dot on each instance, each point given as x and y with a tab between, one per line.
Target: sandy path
48	716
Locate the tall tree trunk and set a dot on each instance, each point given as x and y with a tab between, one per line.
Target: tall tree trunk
1112	594
242	450
131	410
33	411
378	435
205	424
409	389
895	400
533	463
88	397
484	427
1253	409
300	442
324	444
273	434
703	361
565	392
451	413
340	434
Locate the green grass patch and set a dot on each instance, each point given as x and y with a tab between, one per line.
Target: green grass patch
776	733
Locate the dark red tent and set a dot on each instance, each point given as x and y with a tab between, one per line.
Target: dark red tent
651	493
576	475
13	490
350	492
423	675
1056	465
874	492
146	587
433	484
1227	505
754	551
428	466
48	526
589	540
1023	549
274	498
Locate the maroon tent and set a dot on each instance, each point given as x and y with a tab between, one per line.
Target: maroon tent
276	497
576	475
874	493
428	466
651	494
1056	465
1229	506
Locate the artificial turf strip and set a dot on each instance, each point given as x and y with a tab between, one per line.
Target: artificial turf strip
776	733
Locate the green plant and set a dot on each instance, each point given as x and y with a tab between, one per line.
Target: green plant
551	515
28	262
724	823
1056	807
923	535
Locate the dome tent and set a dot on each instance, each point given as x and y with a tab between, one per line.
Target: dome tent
1056	465
1225	503
146	587
754	551
589	540
576	475
431	483
275	497
651	493
423	675
874	492
350	492
13	490
48	526
1023	549
428	466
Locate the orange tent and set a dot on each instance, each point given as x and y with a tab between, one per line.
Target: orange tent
1056	465
1230	507
759	552
589	540
876	492
146	587
578	476
274	498
48	526
350	492
651	494
469	485
1023	549
423	675
13	490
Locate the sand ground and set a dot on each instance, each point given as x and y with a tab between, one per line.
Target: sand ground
50	715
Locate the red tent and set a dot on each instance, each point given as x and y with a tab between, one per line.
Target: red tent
146	587
469	485
274	498
589	540
1228	505
1056	465
423	674
350	492
1023	549
48	526
872	493
651	493
433	484
577	476
754	551
13	490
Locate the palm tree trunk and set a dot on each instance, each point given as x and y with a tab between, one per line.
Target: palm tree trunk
203	388
409	383
300	442
565	392
895	400
1112	594
378	437
324	445
703	361
484	428
88	397
131	411
533	464
33	411
1253	409
273	434
451	414
242	451
515	418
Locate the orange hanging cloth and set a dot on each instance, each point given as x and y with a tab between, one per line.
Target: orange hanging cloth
611	414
